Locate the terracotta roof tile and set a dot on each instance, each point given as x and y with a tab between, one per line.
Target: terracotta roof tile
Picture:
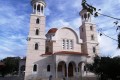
47	53
66	52
70	52
52	30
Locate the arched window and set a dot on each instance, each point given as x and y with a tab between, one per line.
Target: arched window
91	28
48	68
37	32
37	21
92	37
35	68
67	43
94	50
71	44
34	6
88	15
63	44
38	8
36	46
85	16
34	10
42	9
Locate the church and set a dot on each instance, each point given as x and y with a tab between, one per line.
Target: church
59	54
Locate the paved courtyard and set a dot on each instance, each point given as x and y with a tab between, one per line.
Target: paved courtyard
21	78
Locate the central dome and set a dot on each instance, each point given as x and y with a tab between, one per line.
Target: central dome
41	1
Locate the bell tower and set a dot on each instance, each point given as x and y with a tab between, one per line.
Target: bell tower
88	34
36	38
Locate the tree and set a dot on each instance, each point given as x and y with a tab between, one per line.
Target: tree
95	12
106	68
11	65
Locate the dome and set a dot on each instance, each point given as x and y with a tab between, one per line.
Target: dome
53	30
34	1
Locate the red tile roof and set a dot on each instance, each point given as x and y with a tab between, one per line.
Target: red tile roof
52	30
66	52
47	53
70	52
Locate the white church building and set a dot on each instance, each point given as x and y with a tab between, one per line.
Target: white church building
59	53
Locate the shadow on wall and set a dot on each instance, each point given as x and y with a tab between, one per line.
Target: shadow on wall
45	68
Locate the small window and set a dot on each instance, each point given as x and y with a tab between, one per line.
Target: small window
37	32
67	43
92	37
42	9
91	28
37	21
63	44
38	8
48	68
85	16
36	46
35	68
35	6
71	44
94	50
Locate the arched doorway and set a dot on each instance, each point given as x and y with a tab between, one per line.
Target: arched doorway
71	69
81	68
61	69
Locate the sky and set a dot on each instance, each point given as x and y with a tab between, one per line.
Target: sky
15	18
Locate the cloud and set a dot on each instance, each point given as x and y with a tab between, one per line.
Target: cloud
13	30
15	15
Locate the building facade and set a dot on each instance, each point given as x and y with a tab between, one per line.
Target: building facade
60	53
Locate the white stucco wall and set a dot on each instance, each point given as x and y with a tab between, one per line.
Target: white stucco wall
66	33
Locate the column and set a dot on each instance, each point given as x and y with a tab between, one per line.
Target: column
36	7
43	10
65	44
69	44
77	70
56	70
67	70
33	8
40	9
82	70
63	70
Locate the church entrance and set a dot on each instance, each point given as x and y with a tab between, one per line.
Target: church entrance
62	69
71	69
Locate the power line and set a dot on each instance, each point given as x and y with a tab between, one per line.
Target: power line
108	16
101	33
109	37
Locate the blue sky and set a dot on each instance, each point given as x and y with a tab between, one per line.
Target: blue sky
15	16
